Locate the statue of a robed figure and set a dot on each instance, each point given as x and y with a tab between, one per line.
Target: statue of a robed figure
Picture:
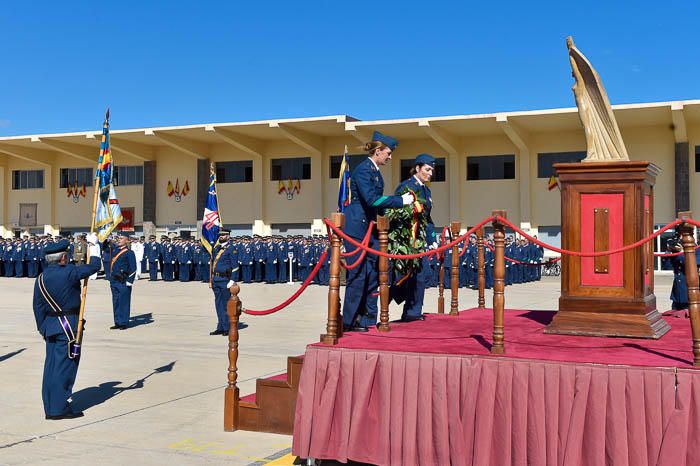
607	202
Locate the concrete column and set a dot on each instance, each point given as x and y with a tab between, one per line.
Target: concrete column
149	192
202	185
682	177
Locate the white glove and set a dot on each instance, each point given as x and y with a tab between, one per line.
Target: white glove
94	250
230	284
91	238
433	246
129	284
407	198
189	262
172	262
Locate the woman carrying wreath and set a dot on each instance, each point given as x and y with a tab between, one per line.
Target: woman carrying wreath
412	231
367	200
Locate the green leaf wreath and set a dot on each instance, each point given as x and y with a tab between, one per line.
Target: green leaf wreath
404	224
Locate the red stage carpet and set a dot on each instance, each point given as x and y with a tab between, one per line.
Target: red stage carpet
428	393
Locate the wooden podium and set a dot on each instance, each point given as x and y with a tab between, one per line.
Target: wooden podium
605	206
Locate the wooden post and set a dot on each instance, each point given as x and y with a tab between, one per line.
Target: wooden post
481	267
231	395
454	278
441	285
691	277
383	231
333	325
499	273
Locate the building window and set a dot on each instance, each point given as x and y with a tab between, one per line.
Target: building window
72	176
128	175
234	172
491	167
697	159
336	160
296	168
27	179
545	162
438	173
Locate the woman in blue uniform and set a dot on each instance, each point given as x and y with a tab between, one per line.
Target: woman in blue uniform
367	201
413	289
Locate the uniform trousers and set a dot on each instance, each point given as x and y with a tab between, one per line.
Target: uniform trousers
221	297
59	376
121	302
153	271
361	285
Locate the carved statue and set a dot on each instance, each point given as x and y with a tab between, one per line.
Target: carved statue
602	133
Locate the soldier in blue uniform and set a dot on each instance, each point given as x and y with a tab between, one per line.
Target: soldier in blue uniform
8	255
222	266
204	261
184	259
56	306
123	274
168	257
32	259
367	201
271	252
18	256
412	290
282	260
151	253
245	259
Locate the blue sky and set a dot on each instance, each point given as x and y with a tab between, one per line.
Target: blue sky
172	62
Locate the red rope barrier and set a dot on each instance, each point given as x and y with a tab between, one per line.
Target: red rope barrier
445	247
292	298
365	240
515	261
590	254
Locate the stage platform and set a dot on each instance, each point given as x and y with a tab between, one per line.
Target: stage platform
429	393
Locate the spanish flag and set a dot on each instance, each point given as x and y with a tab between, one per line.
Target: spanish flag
552	183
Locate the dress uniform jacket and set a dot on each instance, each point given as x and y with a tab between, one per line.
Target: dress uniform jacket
62	283
123	274
367	201
412	290
224	264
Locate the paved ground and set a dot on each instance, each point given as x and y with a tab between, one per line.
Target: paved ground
153	394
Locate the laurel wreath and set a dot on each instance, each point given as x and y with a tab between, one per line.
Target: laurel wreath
407	235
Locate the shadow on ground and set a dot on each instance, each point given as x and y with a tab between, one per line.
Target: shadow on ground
9	355
92	396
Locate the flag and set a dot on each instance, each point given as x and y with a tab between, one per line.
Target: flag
108	213
552	183
297	186
344	194
211	221
280	187
186	188
171	190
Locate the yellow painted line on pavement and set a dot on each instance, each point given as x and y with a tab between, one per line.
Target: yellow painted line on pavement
286	460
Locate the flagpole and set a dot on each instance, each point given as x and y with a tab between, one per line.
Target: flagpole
218	208
83	294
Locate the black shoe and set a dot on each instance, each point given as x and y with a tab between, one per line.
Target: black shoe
224	333
412	318
242	325
68	415
115	327
123	327
217	332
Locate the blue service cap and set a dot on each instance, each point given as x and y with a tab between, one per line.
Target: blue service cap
224	232
59	246
124	234
388	141
425	159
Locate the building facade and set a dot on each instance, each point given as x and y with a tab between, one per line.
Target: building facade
280	176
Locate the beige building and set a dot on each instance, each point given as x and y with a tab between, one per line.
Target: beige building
486	162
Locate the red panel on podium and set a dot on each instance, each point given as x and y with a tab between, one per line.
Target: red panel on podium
613	275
